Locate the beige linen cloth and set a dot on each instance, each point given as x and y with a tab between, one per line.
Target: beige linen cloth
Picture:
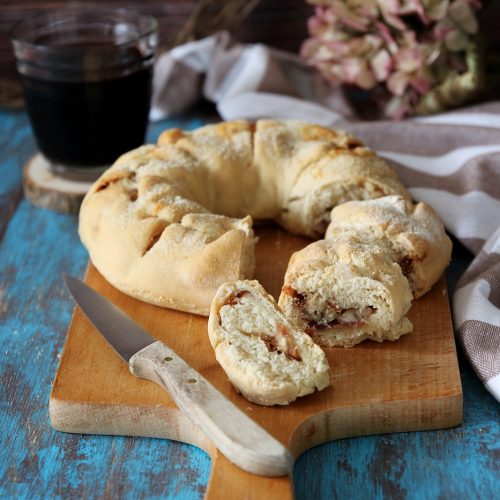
450	161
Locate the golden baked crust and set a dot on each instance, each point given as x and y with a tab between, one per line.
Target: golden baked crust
150	221
310	169
411	235
149	238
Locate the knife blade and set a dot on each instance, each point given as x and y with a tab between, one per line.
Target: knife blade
237	436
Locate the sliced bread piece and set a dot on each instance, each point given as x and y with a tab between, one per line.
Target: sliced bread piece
265	357
342	292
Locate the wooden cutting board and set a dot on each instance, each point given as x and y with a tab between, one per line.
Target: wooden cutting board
412	384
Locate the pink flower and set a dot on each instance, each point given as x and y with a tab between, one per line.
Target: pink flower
401	48
410	66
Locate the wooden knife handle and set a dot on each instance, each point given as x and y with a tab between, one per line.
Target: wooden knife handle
228	482
236	435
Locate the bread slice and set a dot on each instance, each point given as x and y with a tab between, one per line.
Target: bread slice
265	357
412	235
342	292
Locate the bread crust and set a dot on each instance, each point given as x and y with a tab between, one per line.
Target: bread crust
412	235
169	223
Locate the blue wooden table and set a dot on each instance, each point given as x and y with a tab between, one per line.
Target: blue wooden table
36	247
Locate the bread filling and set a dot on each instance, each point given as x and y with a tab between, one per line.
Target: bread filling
352	317
281	341
231	301
321	314
406	265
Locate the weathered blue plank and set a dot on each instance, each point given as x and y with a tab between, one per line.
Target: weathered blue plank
37	248
35	461
16	145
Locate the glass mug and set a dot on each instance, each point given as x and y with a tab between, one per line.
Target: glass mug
86	74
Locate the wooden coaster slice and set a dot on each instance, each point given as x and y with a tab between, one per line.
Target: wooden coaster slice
46	189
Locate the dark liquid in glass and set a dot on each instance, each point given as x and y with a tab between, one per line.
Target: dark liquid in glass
89	123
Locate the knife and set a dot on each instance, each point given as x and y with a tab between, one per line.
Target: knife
237	436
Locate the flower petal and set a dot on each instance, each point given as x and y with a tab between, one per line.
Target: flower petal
381	65
397	83
461	13
456	41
